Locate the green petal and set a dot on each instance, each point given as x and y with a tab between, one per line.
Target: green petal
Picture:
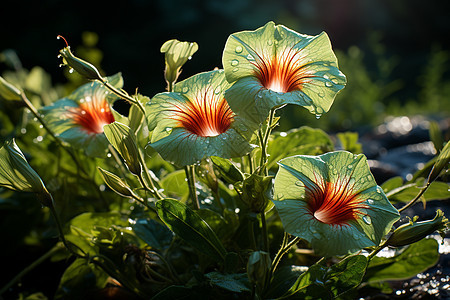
184	148
316	95
344	169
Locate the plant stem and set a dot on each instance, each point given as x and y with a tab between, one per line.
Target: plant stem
413	201
250	163
374	252
152	187
190	175
30	267
265	236
264	141
285	247
123	95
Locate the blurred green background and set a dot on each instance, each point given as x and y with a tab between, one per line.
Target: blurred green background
394	53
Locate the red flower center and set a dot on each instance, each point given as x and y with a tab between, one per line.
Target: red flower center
208	114
92	114
334	203
282	72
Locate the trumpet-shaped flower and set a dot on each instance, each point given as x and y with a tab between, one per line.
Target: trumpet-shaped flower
274	66
79	118
332	201
195	121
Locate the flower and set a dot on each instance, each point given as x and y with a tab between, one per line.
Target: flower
274	66
332	201
195	121
79	118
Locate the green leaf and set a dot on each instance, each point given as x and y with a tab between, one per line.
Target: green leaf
436	136
330	283
176	55
441	163
116	183
153	233
405	193
304	140
416	258
80	278
282	280
349	142
227	169
175	184
187	224
232	282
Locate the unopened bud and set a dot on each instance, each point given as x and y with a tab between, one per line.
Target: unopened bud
176	55
17	174
415	231
116	184
256	192
9	91
258	267
82	67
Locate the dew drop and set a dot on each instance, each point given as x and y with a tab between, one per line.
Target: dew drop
350	166
250	57
238	49
41	126
269	42
328	84
23	130
235	69
367	220
108	155
217	90
280	195
318	116
234	62
370	201
351	181
185	89
299	183
71	70
321	94
378	189
168	129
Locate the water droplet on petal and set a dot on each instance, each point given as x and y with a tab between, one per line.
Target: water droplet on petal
185	89
370	201
250	57
235	69
217	90
328	84
234	62
269	42
238	49
350	166
318	116
71	70
351	181
379	190
280	195
299	183
367	220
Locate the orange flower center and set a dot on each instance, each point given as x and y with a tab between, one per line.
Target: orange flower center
92	114
334	203
283	72
208	114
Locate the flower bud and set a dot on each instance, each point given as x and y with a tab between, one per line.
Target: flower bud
116	184
415	231
176	55
258	267
16	174
82	67
8	91
256	192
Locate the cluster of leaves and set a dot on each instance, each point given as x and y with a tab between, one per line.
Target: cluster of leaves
132	221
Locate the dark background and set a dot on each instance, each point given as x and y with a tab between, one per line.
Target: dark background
131	32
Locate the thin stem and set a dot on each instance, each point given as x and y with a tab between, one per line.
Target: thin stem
374	252
285	247
250	163
152	187
123	95
265	236
264	141
413	201
30	267
190	175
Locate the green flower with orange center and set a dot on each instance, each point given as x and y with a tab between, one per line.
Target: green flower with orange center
78	119
274	66
195	121
332	201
